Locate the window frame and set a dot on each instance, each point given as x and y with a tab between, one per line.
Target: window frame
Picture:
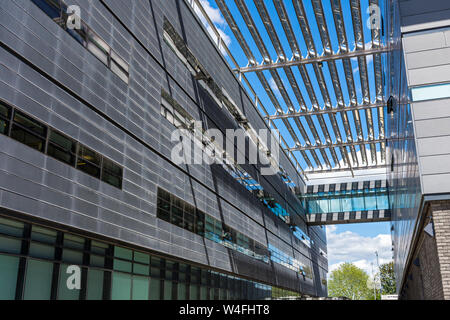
42	137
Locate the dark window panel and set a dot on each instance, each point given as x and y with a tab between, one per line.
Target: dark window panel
51	7
61	148
164	194
177	202
111	167
88	168
163	204
87	154
62	141
4	125
60	154
5	111
30	124
163	214
200	223
31	140
111	179
177	217
189	221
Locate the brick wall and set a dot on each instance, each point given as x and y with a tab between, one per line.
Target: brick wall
431	276
428	275
441	217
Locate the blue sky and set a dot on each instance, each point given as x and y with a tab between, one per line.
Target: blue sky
357	243
239	55
353	243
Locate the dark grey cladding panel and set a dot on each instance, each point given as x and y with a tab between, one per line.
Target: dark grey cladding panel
286	278
249	267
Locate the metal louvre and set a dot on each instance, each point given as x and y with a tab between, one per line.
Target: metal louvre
337	130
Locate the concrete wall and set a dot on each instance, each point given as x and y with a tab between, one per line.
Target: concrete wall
47	74
427	56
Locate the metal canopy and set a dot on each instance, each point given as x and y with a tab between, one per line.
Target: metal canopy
326	137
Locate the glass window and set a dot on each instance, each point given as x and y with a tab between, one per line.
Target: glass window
181	292
163	210
346	203
51	7
382	202
141	269
64	293
209	227
43	234
111	173
200	223
99	247
72	256
28	131
121	286
167	289
123	253
61	148
4	111
33	126
439	91
94	285
189	217
193	292
38	280
74	242
10	245
203	293
39	250
141	257
177	216
163	194
119	61
79	34
155	272
140	288
4	117
11	227
88	161
122	265
155	289
370	201
9	267
119	67
97	47
96	260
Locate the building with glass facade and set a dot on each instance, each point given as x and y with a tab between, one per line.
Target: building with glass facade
418	179
97	99
87	177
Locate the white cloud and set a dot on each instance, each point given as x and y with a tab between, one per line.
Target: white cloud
213	13
218	21
274	87
352	247
273	84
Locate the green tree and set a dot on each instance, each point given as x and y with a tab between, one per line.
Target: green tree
349	281
387	278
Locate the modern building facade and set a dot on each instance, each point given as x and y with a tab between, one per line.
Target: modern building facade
420	170
87	177
98	98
